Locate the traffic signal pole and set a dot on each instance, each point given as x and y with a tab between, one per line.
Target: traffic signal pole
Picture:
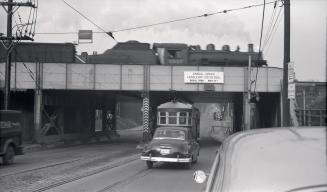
285	101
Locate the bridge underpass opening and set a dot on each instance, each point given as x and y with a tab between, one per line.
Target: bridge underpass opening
226	111
219	112
74	114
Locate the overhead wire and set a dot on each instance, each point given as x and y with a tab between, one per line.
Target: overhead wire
272	18
109	33
155	24
259	55
270	33
274	32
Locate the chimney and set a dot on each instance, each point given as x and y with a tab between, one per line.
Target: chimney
210	47
95	52
226	48
250	48
84	56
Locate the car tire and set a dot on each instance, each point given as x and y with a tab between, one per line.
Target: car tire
9	156
149	164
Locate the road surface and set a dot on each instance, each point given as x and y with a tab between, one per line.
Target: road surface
99	167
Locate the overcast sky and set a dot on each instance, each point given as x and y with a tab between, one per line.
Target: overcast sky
308	27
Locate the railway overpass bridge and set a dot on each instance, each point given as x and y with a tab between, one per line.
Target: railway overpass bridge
75	91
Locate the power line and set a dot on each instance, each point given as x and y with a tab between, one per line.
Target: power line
274	32
262	22
109	33
274	29
270	22
160	23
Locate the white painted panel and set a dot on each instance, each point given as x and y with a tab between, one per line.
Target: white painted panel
80	76
132	77
54	76
160	77
178	78
107	77
275	77
25	75
234	79
217	86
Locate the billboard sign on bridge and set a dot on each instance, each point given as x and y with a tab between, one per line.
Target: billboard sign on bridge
203	77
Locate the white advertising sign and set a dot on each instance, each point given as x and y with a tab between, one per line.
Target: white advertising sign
203	77
291	90
291	73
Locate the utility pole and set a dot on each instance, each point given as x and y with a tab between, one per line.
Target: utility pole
285	101
9	43
8	55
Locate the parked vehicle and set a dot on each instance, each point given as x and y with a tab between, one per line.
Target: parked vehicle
10	135
171	144
274	159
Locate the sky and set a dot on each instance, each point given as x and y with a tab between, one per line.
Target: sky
240	27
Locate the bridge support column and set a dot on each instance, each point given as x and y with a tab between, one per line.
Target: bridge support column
38	97
248	113
146	117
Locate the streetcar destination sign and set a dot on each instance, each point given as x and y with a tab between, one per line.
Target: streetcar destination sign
203	77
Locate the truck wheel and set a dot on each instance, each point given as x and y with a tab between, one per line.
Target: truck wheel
9	156
149	164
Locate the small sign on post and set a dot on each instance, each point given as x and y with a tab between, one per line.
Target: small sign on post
291	73
291	84
291	90
85	36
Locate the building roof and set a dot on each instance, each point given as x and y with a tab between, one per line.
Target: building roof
41	52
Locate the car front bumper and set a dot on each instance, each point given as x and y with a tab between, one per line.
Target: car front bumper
166	159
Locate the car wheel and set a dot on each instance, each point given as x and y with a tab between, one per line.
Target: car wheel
149	164
9	156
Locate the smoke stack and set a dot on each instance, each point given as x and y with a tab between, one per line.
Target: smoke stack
210	47
226	48
250	48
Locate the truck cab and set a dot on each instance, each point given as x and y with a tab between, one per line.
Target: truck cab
10	135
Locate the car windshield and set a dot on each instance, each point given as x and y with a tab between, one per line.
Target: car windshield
169	134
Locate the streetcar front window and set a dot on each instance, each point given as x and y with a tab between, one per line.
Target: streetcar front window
172	118
182	118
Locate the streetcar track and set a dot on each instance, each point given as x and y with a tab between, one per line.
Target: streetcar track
140	174
76	178
42	167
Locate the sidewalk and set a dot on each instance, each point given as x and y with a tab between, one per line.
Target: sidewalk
123	134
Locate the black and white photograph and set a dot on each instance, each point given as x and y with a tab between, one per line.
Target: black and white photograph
163	96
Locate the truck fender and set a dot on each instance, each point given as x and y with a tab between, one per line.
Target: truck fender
6	144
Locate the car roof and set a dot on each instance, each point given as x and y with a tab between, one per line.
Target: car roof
274	159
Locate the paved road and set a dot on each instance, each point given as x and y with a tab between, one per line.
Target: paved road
134	176
99	167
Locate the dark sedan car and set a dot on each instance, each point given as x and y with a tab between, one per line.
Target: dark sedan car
171	144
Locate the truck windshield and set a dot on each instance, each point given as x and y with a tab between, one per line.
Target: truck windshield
169	134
